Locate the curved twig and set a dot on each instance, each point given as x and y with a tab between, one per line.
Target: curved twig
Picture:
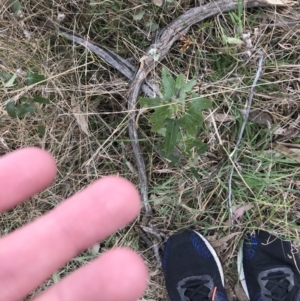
163	42
110	57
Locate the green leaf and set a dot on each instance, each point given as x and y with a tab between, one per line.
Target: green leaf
162	131
152	25
41	130
179	82
200	146
23	109
171	135
19	110
34	78
157	126
16	6
189	124
160	114
139	15
195	173
180	96
5	75
189	85
149	102
40	99
160	150
200	103
11	82
11	109
168	84
195	116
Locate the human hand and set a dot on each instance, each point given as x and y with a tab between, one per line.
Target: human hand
31	254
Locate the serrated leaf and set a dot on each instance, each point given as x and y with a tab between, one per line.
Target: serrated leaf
189	85
189	124
200	103
168	84
179	82
41	130
149	102
11	109
180	96
200	146
157	126
40	99
160	150
195	118
172	131
139	15
34	78
11	82
160	114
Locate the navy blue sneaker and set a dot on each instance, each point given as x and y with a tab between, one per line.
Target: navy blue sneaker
269	268
192	269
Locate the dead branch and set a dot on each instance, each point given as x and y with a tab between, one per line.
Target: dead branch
110	57
163	42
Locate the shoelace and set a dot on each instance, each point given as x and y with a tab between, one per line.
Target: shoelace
196	290
278	285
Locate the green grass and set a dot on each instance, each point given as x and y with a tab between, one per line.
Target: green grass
193	193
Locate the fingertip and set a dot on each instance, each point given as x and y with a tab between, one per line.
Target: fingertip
43	157
117	275
119	186
127	269
36	156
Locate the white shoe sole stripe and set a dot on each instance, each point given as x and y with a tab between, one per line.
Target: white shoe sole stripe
241	269
215	256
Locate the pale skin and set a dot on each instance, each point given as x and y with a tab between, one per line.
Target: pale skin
31	254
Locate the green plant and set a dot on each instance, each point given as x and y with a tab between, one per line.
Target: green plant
24	105
177	115
147	18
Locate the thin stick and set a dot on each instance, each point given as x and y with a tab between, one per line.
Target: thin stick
154	232
246	112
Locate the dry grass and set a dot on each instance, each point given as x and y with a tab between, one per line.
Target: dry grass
77	81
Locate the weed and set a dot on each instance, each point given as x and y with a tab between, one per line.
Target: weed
177	116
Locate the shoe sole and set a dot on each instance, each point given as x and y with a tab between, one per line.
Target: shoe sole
214	254
241	269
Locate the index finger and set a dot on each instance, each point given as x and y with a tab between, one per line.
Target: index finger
29	255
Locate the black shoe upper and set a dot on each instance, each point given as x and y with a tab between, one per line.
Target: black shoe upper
190	269
271	268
